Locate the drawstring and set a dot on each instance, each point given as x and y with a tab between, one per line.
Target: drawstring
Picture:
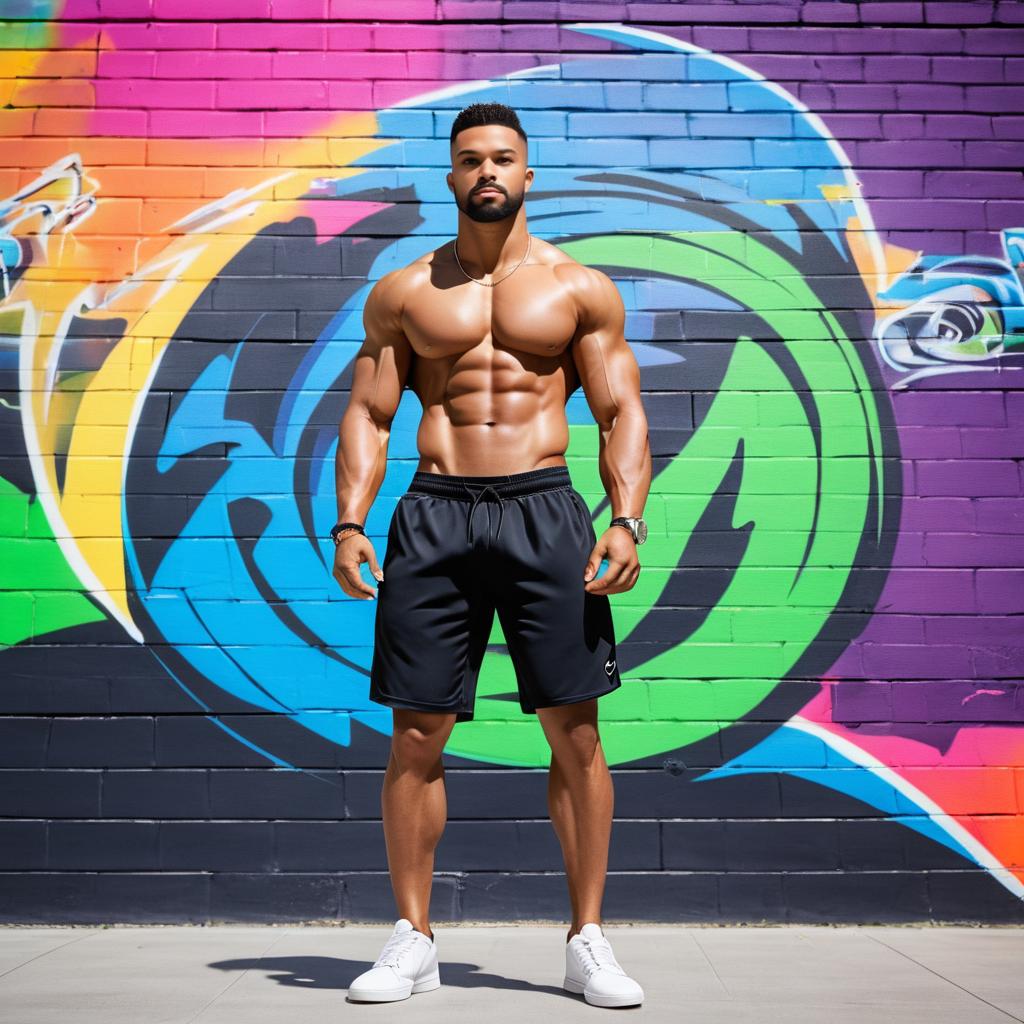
472	509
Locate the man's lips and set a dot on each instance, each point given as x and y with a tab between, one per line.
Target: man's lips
484	191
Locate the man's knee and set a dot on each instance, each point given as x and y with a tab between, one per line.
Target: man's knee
418	739
572	733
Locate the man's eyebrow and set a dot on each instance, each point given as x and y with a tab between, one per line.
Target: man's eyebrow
507	149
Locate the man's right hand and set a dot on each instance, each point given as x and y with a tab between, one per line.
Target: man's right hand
352	550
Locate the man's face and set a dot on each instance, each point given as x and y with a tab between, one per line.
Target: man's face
489	176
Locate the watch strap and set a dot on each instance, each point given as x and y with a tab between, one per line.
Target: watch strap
623	521
627	523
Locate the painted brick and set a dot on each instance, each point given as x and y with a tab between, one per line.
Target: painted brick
999	515
156	35
22	845
832	12
239	896
989	40
889	12
969	477
198	10
299	9
102	845
282	36
979	69
216	846
395	10
219	64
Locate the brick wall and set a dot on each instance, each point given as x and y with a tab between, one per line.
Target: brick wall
813	212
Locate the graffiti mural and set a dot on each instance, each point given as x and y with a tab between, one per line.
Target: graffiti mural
178	349
958	313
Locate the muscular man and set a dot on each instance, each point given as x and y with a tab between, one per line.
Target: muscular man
493	331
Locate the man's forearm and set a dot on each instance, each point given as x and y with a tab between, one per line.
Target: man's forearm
624	461
359	465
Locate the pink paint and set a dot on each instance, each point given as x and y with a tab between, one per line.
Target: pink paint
201	9
393	10
334	217
978	693
188	124
189	64
261	36
153	94
249	78
977	746
272	95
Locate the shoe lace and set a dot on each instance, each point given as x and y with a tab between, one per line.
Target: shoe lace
394	948
599	957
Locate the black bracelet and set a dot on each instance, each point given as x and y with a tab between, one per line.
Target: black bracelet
338	527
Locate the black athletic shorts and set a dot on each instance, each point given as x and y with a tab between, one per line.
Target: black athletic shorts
460	548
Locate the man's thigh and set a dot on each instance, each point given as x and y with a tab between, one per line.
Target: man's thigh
561	638
432	617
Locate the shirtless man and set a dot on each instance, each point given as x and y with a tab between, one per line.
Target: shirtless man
493	332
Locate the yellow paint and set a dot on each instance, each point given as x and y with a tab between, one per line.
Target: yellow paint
88	416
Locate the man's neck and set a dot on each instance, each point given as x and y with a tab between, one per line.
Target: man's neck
488	251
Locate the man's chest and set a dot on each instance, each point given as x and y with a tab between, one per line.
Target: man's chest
535	315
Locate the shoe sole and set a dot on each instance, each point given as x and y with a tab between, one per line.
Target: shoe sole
427	984
570	985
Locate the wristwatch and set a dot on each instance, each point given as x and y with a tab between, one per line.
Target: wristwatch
338	527
634	524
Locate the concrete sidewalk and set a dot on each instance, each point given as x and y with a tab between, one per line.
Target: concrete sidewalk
233	974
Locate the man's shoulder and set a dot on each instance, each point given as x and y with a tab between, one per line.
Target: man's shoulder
580	274
393	288
589	287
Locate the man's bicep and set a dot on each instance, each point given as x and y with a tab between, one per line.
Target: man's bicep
382	362
606	365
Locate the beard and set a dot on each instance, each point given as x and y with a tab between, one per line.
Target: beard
489	210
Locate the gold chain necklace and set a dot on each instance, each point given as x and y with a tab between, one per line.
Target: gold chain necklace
500	279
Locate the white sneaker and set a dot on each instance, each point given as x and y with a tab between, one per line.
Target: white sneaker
591	968
407	964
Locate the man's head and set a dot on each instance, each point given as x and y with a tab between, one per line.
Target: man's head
488	148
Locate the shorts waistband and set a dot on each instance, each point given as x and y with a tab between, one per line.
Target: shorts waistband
510	485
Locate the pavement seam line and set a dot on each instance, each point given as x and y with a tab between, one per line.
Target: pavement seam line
39	956
949	981
234	981
707	958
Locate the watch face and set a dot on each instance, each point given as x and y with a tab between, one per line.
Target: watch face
641	531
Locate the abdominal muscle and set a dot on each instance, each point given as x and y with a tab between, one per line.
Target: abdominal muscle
479	422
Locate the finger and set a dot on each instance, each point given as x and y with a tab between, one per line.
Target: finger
630	581
346	587
619	577
612	577
375	568
355	581
593	564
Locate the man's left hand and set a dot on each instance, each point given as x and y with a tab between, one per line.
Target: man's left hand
617	545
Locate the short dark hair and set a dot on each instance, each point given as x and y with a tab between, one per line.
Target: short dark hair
477	114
